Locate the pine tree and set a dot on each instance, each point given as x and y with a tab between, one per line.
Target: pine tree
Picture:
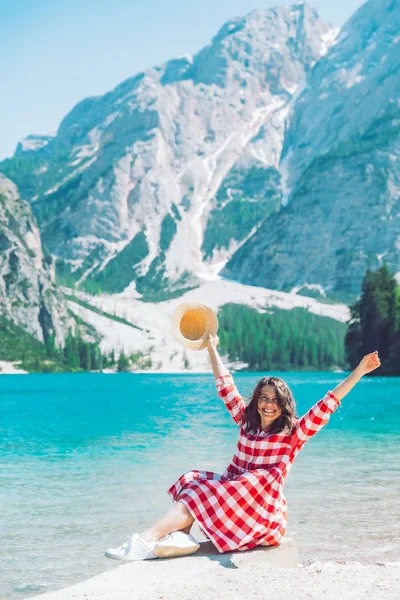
50	344
393	362
112	358
123	363
186	363
374	323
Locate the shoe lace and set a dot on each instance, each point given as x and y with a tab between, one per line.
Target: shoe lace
138	539
125	545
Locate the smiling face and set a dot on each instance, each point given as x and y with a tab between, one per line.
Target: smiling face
268	407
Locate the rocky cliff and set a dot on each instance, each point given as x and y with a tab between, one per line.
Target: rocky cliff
28	296
341	161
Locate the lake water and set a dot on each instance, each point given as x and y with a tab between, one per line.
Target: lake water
86	459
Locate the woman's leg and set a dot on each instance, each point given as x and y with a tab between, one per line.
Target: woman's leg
187	529
177	519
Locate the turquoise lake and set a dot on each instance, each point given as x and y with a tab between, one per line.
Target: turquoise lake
86	459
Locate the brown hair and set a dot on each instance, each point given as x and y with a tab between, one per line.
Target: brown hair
284	423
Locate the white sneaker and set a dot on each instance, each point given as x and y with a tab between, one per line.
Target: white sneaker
176	543
134	549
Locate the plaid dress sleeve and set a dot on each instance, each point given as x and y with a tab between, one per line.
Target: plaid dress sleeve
233	400
314	419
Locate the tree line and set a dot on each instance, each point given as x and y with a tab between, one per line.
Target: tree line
78	354
281	339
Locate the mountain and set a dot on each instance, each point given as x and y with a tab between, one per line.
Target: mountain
160	181
270	157
28	295
341	166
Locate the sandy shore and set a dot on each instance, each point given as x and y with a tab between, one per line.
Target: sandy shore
9	368
247	576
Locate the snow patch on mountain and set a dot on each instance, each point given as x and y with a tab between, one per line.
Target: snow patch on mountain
329	39
34	142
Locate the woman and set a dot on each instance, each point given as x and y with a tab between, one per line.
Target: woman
245	507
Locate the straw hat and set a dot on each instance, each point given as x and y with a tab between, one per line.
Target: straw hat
191	323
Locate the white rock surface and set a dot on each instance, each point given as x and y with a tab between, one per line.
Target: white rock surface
156	338
224	577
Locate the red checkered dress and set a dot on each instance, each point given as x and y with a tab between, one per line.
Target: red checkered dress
245	506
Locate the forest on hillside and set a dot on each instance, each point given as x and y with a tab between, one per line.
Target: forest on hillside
281	339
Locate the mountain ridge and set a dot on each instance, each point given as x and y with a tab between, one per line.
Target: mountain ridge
176	143
342	159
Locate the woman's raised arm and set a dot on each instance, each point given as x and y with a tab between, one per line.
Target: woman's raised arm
319	414
369	363
217	365
225	387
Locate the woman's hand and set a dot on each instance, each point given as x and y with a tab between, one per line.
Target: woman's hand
369	363
213	341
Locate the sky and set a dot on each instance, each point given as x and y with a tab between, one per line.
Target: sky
55	53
